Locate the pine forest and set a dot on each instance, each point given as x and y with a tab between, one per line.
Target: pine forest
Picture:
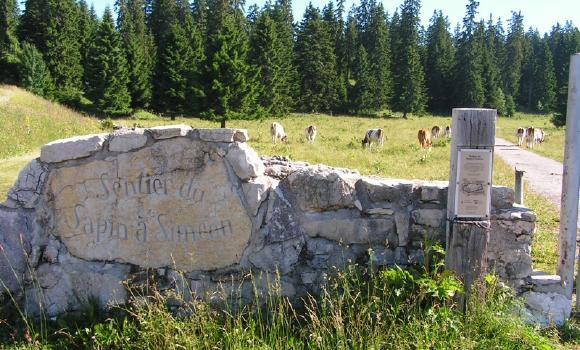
218	60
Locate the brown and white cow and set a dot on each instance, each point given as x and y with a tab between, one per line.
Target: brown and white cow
435	132
376	136
277	132
424	137
534	136
521	134
310	133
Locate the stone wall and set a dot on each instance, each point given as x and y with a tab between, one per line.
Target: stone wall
198	210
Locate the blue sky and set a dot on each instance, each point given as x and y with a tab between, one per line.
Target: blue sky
540	14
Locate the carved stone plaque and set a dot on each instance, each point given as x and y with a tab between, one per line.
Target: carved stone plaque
169	204
473	191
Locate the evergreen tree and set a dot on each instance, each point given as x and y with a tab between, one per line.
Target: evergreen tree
546	92
108	75
319	86
333	22
491	74
139	47
88	23
284	47
362	92
8	40
265	55
469	84
528	79
351	44
53	27
439	63
409	88
514	55
33	72
200	13
379	58
230	87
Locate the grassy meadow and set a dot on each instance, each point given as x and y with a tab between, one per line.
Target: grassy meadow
396	310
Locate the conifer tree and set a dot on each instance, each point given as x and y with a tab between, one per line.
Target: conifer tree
409	86
230	85
546	92
265	56
108	75
317	61
361	97
469	85
514	55
351	38
139	47
491	74
88	23
200	11
52	26
379	58
439	63
284	24
8	39
33	74
333	22
527	96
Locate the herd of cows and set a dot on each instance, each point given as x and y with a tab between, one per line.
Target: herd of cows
372	136
530	135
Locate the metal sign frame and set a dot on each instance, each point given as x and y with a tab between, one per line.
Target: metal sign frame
473	183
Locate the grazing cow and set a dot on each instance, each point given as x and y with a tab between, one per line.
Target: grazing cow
277	132
424	137
521	134
447	132
373	136
533	136
310	133
435	132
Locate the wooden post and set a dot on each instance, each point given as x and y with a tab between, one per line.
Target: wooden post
470	172
570	181
519	187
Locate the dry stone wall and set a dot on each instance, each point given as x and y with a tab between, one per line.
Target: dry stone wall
197	210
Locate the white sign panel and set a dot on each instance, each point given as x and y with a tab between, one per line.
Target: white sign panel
473	191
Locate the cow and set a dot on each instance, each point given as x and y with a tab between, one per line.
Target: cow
373	136
534	136
447	132
278	133
521	134
424	137
435	132
310	133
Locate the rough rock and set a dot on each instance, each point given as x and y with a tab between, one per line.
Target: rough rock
435	191
429	217
347	226
256	191
127	140
319	188
15	238
280	167
545	283
278	257
548	308
223	135
374	192
245	161
72	148
139	206
169	131
26	191
502	197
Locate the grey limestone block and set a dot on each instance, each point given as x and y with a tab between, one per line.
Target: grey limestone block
72	148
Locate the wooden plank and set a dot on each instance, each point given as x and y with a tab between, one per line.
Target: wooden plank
570	182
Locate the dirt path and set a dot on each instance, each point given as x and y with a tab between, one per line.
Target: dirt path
543	175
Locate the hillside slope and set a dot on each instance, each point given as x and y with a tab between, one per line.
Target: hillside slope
28	122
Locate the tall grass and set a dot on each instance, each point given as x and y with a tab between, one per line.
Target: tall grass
359	308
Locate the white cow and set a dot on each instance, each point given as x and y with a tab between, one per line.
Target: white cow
447	132
310	133
521	134
534	136
376	136
277	132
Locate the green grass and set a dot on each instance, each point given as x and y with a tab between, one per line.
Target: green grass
553	147
362	318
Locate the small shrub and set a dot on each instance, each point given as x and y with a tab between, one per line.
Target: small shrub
144	115
106	124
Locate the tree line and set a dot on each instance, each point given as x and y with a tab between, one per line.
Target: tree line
214	59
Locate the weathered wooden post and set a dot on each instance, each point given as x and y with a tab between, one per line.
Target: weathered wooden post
570	181
519	187
469	195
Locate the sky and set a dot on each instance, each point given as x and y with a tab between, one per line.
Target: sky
540	14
